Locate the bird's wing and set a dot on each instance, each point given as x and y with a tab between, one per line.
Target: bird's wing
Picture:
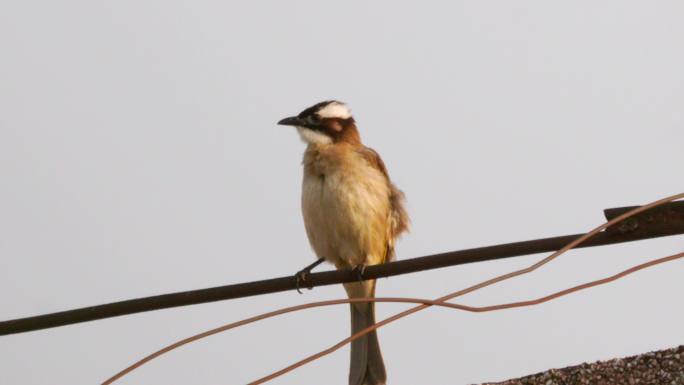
398	217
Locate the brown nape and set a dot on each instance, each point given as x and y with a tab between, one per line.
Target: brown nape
342	130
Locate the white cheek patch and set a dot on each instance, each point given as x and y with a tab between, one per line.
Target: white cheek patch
311	136
334	110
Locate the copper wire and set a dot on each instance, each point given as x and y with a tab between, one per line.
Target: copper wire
423	302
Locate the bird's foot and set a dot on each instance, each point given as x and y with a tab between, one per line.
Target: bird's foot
359	270
300	276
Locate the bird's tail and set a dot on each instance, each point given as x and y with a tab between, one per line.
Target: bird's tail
366	366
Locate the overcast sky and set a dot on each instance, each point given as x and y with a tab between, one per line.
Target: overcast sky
139	155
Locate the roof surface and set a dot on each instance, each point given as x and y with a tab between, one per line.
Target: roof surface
663	367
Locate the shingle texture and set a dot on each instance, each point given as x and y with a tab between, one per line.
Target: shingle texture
664	367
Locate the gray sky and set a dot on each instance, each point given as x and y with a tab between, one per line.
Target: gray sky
139	155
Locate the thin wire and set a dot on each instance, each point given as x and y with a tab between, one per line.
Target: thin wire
469	289
390	319
475	309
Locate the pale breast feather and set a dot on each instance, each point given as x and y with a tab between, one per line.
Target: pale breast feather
347	210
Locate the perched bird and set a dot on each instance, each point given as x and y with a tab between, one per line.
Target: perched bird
352	214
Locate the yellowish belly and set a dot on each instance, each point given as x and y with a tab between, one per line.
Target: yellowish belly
346	217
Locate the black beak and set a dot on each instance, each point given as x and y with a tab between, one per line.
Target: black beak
291	121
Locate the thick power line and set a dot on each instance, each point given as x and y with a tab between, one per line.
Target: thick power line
658	222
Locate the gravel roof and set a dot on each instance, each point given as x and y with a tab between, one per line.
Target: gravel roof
663	367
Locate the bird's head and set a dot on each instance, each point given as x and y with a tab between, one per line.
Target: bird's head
325	123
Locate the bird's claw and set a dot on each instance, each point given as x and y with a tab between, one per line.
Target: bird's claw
302	274
359	270
300	278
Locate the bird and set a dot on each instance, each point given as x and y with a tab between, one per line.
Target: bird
353	214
